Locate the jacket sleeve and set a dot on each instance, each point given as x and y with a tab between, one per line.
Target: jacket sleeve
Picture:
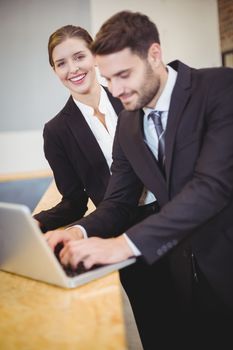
74	197
114	213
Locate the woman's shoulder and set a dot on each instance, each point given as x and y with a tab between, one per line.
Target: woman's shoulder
59	118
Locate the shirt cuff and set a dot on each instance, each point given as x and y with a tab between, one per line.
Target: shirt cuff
135	250
84	232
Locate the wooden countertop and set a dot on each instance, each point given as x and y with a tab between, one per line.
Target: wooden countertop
36	316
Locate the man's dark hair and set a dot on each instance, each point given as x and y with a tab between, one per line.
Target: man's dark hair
126	29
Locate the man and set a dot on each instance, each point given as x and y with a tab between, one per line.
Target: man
187	165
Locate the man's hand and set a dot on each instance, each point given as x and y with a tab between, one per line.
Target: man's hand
95	250
63	236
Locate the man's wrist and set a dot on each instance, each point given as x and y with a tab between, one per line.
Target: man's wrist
76	232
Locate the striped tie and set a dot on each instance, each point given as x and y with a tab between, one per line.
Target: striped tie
156	117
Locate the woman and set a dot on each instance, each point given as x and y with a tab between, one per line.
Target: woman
78	140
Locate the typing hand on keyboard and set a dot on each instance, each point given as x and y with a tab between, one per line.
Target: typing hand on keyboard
68	269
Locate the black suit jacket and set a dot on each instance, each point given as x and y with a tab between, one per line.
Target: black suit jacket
196	199
79	166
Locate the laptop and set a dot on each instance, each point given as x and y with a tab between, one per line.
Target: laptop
25	252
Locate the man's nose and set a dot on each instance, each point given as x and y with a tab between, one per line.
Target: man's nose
115	88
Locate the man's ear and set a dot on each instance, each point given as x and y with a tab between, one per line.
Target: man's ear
154	54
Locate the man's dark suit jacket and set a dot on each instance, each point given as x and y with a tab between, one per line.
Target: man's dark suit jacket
196	198
79	166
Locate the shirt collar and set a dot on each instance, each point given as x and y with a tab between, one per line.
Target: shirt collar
164	100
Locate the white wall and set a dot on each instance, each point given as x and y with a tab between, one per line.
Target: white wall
188	29
21	151
30	93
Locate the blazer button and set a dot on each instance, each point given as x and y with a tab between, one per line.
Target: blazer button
164	248
169	245
159	252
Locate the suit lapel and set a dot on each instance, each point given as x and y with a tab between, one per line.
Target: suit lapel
180	97
86	140
143	158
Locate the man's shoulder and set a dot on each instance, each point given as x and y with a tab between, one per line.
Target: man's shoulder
203	78
208	71
215	78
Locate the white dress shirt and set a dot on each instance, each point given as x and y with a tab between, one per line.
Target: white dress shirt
162	105
103	136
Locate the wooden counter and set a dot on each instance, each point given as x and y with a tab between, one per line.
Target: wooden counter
38	316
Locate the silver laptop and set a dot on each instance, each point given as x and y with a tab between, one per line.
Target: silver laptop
24	251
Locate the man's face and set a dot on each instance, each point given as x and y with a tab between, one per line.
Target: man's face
130	78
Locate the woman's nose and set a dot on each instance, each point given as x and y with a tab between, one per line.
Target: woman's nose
73	67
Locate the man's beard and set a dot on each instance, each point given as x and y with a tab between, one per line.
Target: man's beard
148	90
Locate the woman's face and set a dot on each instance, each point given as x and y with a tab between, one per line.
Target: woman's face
74	65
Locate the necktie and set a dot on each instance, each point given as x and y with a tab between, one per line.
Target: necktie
156	117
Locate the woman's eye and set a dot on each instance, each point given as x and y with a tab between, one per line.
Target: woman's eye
60	64
79	57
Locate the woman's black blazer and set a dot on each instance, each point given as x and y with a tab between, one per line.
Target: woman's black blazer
78	164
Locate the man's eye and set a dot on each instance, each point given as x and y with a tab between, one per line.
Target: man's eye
125	75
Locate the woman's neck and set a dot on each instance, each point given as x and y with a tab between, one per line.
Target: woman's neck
91	98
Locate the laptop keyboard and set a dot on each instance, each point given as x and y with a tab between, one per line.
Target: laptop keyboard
68	269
